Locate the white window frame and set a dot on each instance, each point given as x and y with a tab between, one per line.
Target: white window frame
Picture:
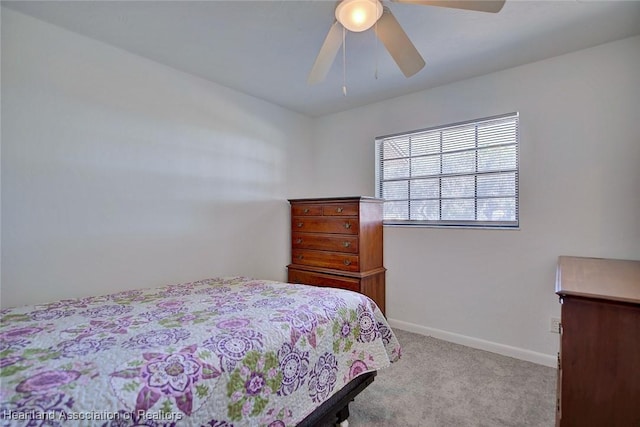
384	187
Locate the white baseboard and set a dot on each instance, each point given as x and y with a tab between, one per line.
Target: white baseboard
494	347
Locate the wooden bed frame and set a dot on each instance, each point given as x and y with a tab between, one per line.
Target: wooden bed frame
336	409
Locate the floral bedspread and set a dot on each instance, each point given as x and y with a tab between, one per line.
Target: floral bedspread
217	352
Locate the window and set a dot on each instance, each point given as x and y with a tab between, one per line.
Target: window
465	174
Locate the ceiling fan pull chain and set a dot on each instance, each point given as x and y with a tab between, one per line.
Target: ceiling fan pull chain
344	62
375	36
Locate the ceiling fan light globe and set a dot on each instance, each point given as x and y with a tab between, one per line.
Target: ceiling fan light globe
358	15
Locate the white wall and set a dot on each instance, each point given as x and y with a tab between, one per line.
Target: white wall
118	172
579	184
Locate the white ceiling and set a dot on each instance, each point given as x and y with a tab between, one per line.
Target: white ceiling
266	48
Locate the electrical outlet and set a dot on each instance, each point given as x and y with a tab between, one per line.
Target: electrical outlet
554	325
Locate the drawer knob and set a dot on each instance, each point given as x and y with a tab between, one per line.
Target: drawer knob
300	257
339	210
306	210
346	244
347	225
300	224
347	262
298	241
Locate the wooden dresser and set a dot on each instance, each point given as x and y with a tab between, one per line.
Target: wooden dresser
599	359
337	242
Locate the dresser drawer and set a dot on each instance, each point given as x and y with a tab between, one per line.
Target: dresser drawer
306	210
340	209
319	279
325	242
333	260
324	225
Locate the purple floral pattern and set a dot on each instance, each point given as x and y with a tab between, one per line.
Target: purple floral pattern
233	323
213	290
13	344
302	322
159	314
132	297
231	307
369	330
275	302
177	291
18	333
157	338
118	326
108	310
82	347
76	303
186	318
218	352
323	377
5	362
385	333
50	314
17	338
253	287
47	380
252	385
357	367
330	304
346	329
176	380
294	365
233	346
359	362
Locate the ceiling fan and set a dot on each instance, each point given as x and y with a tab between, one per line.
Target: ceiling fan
360	15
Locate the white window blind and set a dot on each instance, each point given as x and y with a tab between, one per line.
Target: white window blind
465	174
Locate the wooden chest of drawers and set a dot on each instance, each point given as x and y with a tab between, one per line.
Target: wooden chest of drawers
337	242
599	359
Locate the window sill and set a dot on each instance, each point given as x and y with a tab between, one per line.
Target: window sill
456	227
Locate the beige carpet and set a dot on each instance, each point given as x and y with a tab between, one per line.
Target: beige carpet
440	384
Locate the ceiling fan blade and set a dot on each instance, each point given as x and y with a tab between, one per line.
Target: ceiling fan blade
398	44
492	6
327	54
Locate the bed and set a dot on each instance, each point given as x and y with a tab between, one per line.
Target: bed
218	352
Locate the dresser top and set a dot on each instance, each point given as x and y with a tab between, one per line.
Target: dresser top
609	279
337	199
